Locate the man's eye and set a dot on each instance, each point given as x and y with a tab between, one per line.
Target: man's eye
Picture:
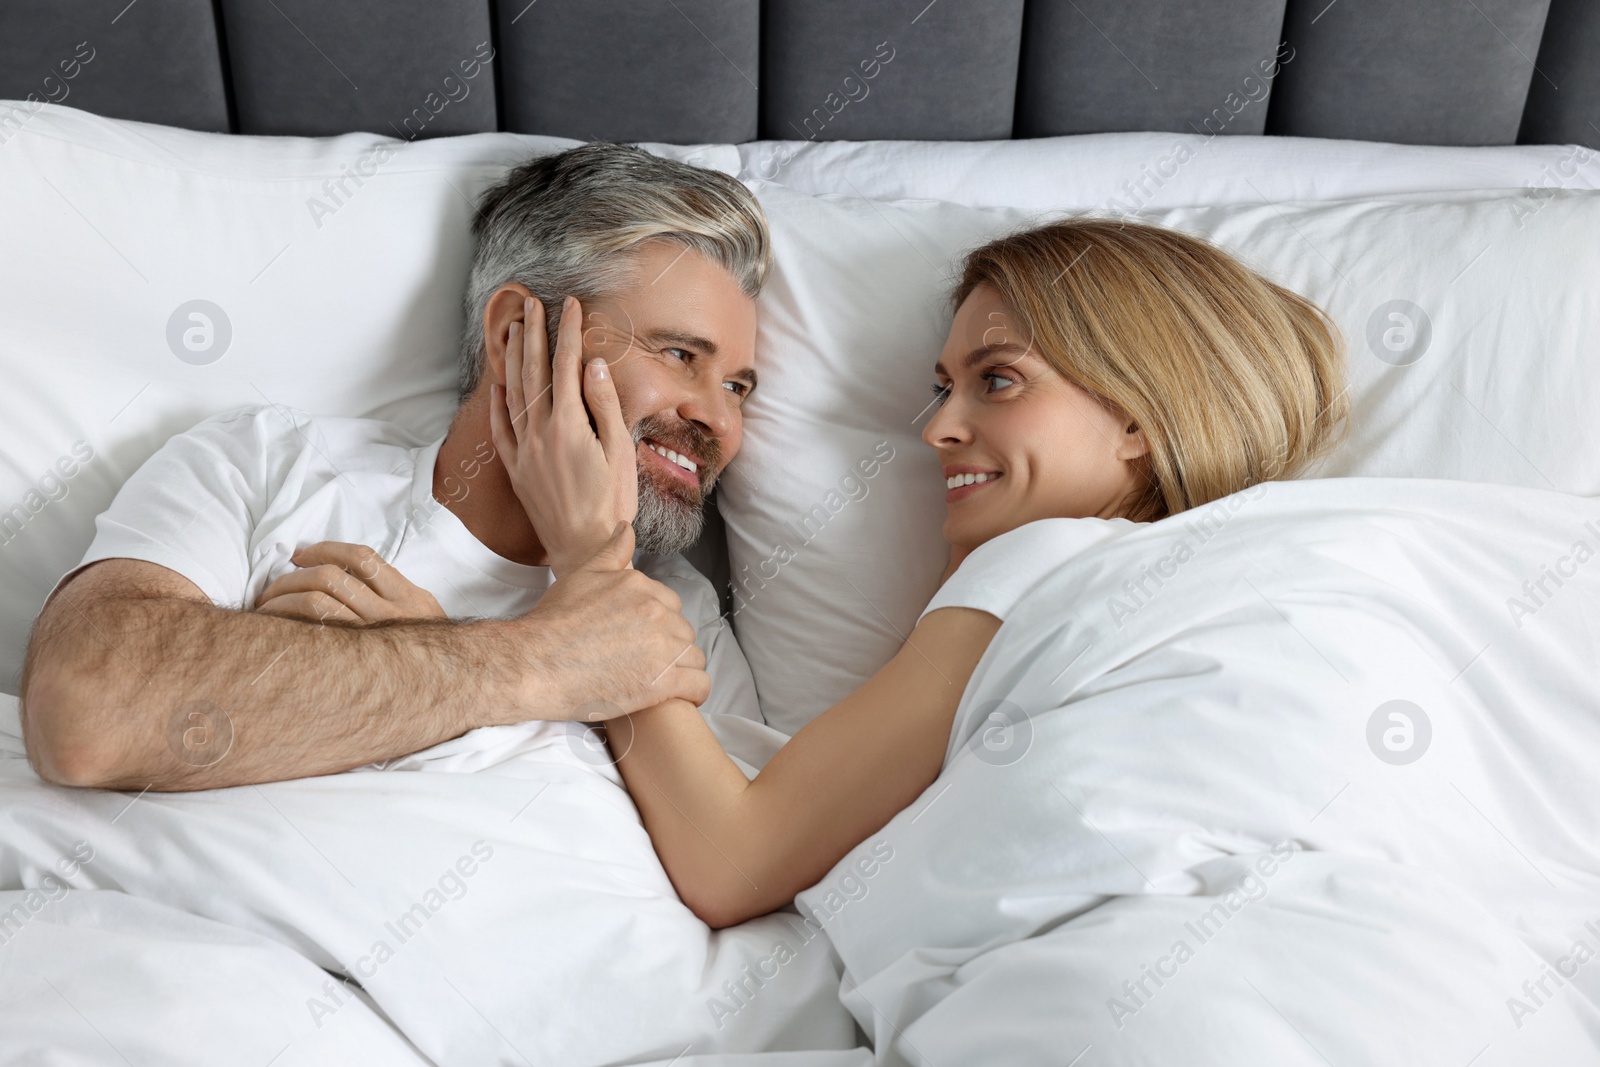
682	353
739	389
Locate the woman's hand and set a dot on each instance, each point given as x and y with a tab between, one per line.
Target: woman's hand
575	481
346	583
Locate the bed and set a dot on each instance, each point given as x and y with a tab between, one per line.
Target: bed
1414	169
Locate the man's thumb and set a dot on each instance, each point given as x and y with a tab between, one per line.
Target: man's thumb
617	553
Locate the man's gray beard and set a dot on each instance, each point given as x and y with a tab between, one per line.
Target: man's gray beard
666	523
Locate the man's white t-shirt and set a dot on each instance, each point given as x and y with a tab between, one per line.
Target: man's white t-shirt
226	504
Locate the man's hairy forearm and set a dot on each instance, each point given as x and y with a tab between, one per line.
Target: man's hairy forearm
145	691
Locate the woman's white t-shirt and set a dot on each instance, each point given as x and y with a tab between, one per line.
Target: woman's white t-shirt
1001	571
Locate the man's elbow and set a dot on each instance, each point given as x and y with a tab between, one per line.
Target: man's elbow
62	747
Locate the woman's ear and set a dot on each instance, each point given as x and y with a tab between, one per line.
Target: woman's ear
503	308
1132	444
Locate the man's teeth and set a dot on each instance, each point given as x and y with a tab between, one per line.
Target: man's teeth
683	461
968	479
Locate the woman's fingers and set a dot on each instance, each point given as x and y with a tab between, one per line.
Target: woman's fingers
500	431
600	391
516	403
565	367
535	378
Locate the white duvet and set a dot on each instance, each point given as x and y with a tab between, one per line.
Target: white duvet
1183	820
497	900
1163	836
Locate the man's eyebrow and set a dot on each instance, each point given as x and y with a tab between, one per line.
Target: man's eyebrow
982	352
678	337
704	344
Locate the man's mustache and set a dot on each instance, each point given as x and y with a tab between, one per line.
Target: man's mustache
685	438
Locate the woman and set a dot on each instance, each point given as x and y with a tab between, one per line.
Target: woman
1096	372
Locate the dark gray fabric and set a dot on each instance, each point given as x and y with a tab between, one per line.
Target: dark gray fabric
683	71
709	555
906	69
404	68
1416	71
1421	72
1094	66
154	61
1564	98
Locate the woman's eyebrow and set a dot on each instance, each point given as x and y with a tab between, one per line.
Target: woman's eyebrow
983	352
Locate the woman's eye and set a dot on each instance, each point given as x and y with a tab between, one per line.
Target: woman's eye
998	382
941	393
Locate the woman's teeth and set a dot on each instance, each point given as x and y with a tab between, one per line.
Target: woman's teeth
956	480
683	461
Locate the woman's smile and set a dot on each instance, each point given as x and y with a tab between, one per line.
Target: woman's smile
962	480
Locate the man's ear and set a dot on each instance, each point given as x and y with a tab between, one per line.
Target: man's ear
503	307
1132	444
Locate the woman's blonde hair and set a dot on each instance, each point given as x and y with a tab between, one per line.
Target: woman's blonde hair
1233	379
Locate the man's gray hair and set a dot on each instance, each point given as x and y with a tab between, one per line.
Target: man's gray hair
570	224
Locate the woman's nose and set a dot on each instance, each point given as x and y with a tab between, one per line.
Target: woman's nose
946	427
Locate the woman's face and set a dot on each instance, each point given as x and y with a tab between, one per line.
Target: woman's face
1017	440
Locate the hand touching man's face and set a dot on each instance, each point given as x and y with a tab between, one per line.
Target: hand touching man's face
681	345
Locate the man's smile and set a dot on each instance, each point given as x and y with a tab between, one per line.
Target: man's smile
686	466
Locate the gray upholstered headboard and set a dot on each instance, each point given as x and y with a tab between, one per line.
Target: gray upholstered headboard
1461	72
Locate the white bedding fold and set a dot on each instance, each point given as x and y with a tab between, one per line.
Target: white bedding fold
1191	695
101	977
515	913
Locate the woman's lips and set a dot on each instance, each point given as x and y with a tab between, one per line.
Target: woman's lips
961	492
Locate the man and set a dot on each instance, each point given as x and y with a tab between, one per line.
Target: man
275	596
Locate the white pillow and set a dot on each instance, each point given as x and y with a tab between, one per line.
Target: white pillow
1501	383
1117	172
338	302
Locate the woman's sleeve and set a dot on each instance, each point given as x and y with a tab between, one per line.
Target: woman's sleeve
999	572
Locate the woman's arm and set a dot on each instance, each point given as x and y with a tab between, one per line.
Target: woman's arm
735	848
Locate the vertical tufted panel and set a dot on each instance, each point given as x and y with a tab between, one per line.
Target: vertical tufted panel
395	67
1418	72
1092	66
155	61
683	71
910	69
1570	59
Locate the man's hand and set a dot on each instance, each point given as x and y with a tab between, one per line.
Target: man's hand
575	481
610	641
345	583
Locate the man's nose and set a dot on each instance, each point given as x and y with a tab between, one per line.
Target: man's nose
707	407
